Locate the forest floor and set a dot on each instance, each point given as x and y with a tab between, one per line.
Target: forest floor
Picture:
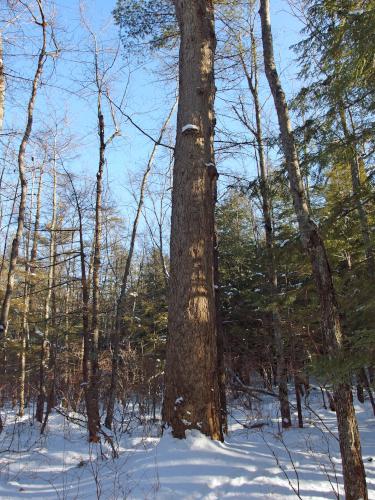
253	463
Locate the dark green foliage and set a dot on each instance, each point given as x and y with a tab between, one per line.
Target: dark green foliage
146	22
146	318
340	40
337	60
246	298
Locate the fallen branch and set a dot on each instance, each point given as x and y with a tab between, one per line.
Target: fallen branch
250	389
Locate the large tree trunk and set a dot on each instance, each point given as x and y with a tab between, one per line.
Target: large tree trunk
22	178
353	469
192	395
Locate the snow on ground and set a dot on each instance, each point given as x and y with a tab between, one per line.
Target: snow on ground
252	463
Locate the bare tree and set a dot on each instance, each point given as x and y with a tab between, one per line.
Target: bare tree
85	303
2	83
25	312
101	92
48	312
103	143
22	170
252	78
121	302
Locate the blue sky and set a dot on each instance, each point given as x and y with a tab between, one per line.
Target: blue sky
148	96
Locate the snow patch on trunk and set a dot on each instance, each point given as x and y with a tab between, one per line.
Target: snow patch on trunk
189	127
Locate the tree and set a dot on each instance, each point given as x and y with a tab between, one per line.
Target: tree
33	256
192	395
49	311
350	446
92	391
119	328
252	79
2	83
336	58
22	170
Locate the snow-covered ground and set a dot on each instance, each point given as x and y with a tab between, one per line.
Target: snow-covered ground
252	463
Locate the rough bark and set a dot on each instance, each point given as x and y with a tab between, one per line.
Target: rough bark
353	469
220	337
192	395
1	185
22	177
92	425
360	392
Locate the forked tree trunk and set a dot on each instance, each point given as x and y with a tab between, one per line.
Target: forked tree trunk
350	446
92	391
22	177
192	394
